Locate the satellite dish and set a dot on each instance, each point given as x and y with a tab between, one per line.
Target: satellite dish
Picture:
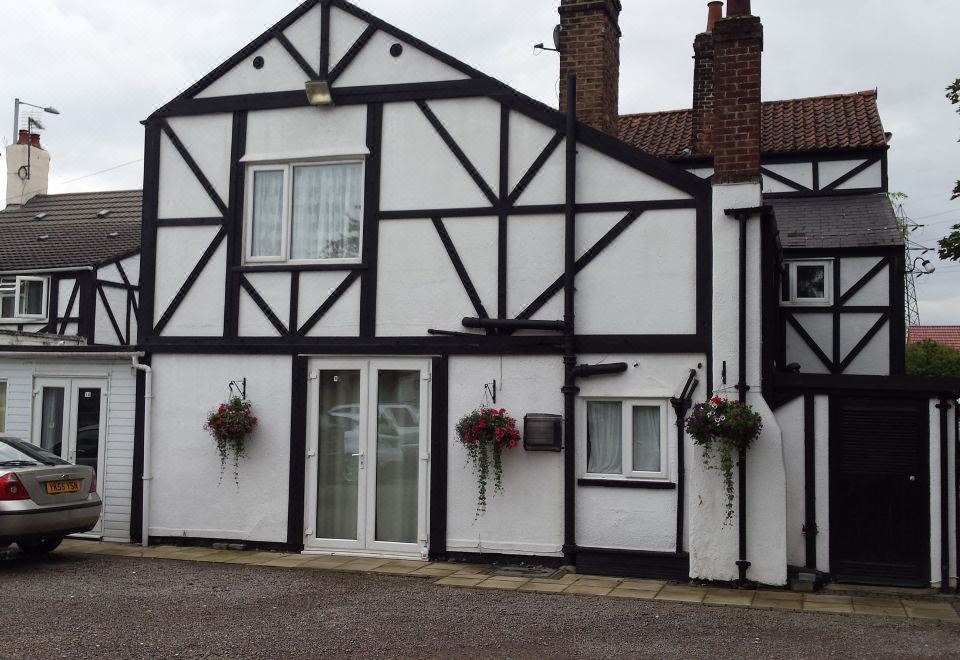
556	36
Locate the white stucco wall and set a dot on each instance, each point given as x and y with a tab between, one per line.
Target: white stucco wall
189	498
527	518
790	418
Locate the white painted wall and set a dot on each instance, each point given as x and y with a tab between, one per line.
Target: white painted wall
301	133
528	517
115	479
713	545
376	66
936	512
187	499
790	418
280	73
800	173
274	288
178	251
632	518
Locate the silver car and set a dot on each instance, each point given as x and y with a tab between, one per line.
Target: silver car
43	497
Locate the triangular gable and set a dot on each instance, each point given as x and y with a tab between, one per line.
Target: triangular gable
368	56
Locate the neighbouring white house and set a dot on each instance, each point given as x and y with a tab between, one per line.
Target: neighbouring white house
69	290
373	237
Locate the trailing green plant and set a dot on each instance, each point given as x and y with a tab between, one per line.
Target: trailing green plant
724	427
230	424
485	433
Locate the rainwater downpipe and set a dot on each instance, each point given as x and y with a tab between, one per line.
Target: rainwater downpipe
570	388
742	387
147	446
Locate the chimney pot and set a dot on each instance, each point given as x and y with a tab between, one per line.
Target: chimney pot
35	141
714	13
738	8
23	137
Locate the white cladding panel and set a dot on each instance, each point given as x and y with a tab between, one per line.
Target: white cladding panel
131	266
476	242
207	138
527	518
304	34
178	251
821	426
875	357
299	133
181	195
801	173
274	288
876	292
343	318
527	141
280	73
104	332
63	297
798	351
344	30
791	420
831	170
645	281
415	159
872	177
109	273
632	518
116	477
417	285
474	124
534	261
375	65
188	498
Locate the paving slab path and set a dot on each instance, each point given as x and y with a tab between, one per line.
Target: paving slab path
103	600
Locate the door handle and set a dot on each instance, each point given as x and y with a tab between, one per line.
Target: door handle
360	455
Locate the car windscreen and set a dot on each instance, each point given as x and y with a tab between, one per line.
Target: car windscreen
17	451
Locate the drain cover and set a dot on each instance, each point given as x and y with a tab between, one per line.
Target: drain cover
524	571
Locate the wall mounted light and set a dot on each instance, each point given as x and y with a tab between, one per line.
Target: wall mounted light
318	92
542	432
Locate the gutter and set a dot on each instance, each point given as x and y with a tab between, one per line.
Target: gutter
147	444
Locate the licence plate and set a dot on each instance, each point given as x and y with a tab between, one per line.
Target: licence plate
57	487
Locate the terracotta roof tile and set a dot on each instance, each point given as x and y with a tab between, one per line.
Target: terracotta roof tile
942	334
822	123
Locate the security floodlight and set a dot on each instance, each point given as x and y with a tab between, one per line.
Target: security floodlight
318	92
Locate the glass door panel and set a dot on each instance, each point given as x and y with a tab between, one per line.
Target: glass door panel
340	454
52	408
87	448
398	455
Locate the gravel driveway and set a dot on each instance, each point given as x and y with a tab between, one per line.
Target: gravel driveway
87	606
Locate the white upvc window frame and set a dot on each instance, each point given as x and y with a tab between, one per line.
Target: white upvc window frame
626	440
796	301
287	168
19	316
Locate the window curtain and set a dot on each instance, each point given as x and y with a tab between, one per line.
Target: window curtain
326	212
267	225
604	437
646	439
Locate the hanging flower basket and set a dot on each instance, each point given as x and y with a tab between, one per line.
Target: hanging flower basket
230	424
724	427
486	432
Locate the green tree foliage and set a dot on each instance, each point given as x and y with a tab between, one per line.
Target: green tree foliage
950	244
929	358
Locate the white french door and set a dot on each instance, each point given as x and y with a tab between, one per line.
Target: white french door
69	420
367	456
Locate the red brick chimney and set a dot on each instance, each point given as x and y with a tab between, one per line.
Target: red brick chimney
703	83
737	48
590	48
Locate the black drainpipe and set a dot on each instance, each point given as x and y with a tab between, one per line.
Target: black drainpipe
681	406
956	489
570	388
742	387
944	500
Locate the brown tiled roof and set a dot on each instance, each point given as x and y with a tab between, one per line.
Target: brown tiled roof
70	234
821	123
942	334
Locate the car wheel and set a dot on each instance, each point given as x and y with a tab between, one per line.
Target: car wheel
40	545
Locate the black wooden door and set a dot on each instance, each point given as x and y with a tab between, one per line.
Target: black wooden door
879	491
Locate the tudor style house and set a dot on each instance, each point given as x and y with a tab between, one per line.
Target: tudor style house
374	237
69	291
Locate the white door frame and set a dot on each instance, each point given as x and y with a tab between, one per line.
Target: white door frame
71	400
366	543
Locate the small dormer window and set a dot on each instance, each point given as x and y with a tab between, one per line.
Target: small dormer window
23	299
807	283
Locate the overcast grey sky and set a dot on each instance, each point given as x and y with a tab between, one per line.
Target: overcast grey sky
107	64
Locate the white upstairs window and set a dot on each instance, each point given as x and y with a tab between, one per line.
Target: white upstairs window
807	283
626	439
304	212
23	299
